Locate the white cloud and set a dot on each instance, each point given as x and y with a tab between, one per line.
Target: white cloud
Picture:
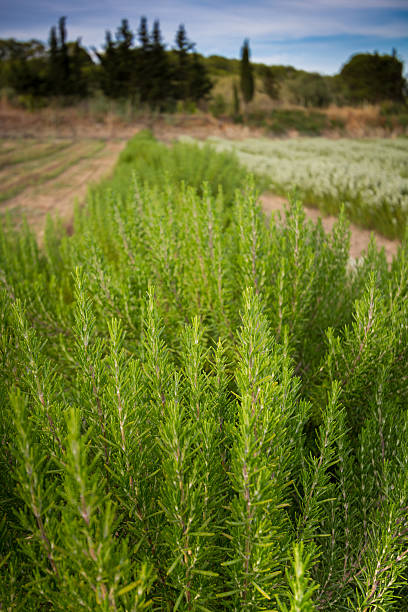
279	19
274	27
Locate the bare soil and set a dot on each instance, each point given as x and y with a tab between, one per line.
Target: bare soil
59	195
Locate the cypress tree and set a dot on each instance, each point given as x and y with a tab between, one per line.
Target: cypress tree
64	64
80	69
144	61
143	34
236	104
247	78
118	74
200	83
183	46
125	60
160	77
108	66
53	67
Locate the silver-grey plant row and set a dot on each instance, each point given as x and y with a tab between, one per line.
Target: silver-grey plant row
201	409
370	177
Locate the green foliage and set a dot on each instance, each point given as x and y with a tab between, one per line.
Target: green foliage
309	89
373	78
270	82
66	66
218	106
247	78
150	162
200	409
23	67
236	101
217	65
301	587
311	123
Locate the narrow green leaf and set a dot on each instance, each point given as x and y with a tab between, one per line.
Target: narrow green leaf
205	572
127	588
262	592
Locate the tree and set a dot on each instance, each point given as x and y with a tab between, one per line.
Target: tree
191	80
183	46
163	88
270	82
236	103
153	73
107	61
81	68
23	67
309	89
145	71
125	58
247	78
66	64
373	78
53	68
200	83
143	35
118	74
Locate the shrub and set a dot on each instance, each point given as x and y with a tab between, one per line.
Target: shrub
218	106
368	176
153	163
201	415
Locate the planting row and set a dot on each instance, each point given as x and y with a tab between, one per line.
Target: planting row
370	177
200	409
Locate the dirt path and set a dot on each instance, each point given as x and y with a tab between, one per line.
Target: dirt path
359	237
59	194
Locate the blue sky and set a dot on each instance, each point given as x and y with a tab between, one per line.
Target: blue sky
317	35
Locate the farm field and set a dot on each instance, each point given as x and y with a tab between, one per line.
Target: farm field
38	177
47	176
369	176
200	408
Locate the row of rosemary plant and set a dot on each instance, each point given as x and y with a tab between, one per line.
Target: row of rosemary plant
201	409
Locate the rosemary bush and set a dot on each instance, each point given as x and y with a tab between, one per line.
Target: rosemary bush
201	409
187	162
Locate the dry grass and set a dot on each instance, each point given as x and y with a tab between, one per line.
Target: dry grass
109	122
72	123
359	122
224	86
365	121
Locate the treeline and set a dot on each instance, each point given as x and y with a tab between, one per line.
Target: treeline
138	66
365	78
135	66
